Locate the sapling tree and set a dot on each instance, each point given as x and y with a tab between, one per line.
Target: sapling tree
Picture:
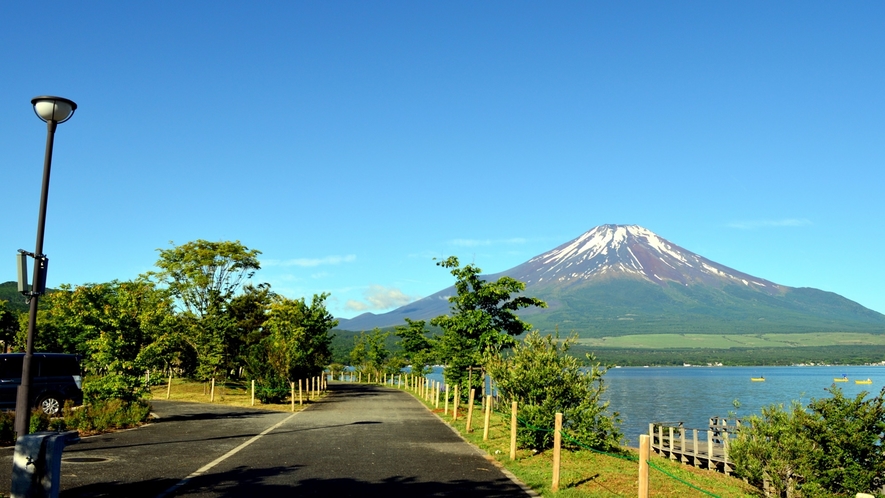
417	349
370	352
482	321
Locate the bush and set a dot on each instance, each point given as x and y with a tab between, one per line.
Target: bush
835	446
544	380
101	416
7	427
115	386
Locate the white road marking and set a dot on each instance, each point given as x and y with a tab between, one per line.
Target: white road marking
205	468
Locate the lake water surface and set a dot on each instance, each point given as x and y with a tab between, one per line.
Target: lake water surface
694	394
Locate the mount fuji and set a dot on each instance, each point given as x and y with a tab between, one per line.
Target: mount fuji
625	279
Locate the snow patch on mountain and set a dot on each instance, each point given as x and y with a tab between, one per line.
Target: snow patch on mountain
631	250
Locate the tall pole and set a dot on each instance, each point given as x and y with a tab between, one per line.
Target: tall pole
23	396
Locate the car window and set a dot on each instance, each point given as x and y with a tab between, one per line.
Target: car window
57	366
10	367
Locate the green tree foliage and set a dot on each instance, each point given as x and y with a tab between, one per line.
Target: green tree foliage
206	275
297	345
8	323
544	380
482	320
249	313
194	316
370	352
116	326
417	349
834	446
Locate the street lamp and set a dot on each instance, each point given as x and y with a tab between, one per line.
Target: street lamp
52	110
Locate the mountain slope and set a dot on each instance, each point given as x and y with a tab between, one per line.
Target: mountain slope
618	280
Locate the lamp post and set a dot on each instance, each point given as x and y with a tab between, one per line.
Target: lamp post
52	110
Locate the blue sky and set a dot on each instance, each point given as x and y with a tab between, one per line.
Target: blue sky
353	142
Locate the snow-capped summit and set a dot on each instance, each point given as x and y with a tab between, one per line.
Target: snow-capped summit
615	250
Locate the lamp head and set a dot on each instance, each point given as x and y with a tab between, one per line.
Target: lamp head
49	108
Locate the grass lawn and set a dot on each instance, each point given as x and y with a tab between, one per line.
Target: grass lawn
710	341
586	473
229	393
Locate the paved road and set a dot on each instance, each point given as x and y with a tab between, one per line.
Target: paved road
360	441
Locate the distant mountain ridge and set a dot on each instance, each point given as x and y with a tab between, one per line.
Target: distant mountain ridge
625	279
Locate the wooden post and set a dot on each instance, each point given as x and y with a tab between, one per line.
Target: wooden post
360	378
682	453
644	443
485	425
470	396
446	410
725	468
661	446
212	391
513	430
169	387
694	447
436	405
557	452
292	397
300	395
672	456
455	407
253	392
710	464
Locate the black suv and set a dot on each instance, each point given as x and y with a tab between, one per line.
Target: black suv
56	379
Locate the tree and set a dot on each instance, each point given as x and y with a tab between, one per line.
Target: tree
483	320
8	324
204	277
417	349
204	274
297	345
370	351
118	327
248	313
545	380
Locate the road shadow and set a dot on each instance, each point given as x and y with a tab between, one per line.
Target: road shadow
84	447
244	482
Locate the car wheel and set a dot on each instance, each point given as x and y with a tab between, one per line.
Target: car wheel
50	405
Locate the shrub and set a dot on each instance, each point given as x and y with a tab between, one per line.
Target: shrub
39	421
834	446
7	427
544	380
111	386
101	416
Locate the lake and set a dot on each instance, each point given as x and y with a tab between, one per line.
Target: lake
694	394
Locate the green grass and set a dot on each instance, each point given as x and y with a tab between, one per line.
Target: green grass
231	393
709	341
589	474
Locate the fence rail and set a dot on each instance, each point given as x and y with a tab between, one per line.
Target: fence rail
706	448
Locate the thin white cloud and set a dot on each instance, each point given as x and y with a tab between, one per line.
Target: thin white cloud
485	242
787	222
378	297
311	262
